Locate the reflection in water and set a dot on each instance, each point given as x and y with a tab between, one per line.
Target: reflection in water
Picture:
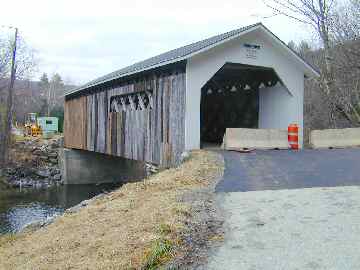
21	207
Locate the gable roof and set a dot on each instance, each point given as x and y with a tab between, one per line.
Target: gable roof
180	54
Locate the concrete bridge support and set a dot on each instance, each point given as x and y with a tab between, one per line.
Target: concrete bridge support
85	167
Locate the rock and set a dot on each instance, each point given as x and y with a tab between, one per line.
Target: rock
151	169
44	148
81	205
26	182
25	172
53	160
11	171
40	184
60	142
43	173
52	155
184	156
33	226
54	171
44	158
37	152
57	177
14	183
77	207
54	145
60	183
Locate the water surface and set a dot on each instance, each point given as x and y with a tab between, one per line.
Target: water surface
19	207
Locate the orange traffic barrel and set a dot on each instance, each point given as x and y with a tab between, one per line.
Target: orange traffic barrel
293	136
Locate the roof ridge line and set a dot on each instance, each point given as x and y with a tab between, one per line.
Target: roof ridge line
137	65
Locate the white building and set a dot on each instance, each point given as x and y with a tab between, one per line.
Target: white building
246	78
279	105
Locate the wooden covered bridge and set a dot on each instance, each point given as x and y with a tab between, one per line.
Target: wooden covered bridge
156	109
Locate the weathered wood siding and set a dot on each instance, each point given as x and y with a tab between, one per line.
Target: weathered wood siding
75	123
154	134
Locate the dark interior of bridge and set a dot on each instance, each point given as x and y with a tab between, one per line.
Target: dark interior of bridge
230	99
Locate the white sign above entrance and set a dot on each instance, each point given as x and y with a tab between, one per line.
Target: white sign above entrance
251	50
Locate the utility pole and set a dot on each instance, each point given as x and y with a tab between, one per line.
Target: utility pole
10	98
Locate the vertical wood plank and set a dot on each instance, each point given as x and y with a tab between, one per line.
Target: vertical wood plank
155	135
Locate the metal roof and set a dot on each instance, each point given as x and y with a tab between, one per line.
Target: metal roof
172	56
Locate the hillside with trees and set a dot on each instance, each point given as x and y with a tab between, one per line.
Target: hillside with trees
333	100
19	93
44	97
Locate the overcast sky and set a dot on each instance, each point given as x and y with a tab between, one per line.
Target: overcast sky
83	40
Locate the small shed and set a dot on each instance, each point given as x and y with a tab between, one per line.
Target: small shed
48	124
184	99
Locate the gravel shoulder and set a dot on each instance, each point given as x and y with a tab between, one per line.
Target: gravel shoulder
311	228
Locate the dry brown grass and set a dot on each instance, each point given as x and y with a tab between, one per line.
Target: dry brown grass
118	231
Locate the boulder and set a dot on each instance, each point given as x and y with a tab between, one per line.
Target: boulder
53	160
54	171
34	226
25	172
37	152
57	177
83	204
184	156
26	182
52	155
44	158
14	183
54	145
11	171
44	173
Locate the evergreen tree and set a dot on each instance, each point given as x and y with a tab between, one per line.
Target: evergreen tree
44	86
303	48
56	87
292	45
44	81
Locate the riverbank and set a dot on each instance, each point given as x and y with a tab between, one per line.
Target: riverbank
33	163
165	220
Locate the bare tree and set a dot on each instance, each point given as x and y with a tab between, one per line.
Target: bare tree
321	16
10	70
346	54
5	117
346	32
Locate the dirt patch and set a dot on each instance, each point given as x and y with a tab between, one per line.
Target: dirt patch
204	225
140	226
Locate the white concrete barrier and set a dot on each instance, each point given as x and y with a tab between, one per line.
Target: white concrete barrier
337	138
240	138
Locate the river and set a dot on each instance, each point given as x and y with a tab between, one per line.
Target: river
19	207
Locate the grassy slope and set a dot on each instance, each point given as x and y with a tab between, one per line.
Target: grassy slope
131	228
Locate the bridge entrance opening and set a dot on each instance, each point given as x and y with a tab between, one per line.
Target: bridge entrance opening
231	99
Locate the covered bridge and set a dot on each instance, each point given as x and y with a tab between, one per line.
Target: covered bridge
184	99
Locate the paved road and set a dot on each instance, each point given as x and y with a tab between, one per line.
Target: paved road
275	221
281	169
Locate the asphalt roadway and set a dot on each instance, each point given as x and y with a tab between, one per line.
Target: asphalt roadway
285	169
289	210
